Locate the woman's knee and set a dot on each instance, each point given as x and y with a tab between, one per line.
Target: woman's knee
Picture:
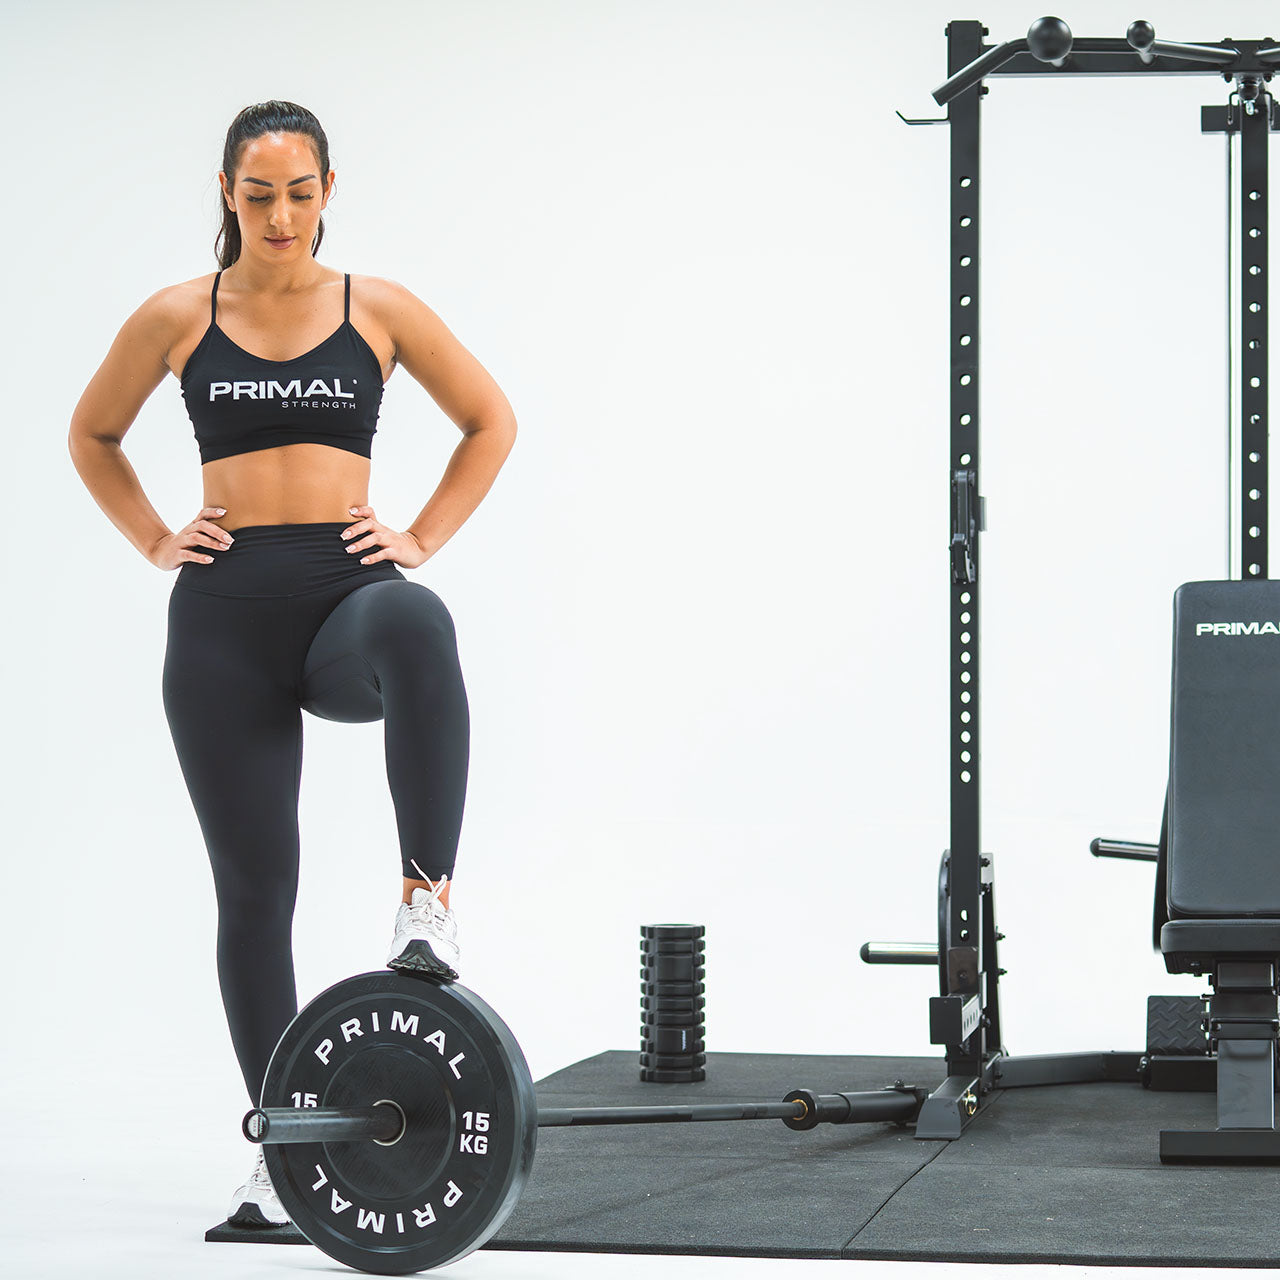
256	911
413	623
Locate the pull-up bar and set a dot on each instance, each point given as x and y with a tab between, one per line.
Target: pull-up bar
1049	41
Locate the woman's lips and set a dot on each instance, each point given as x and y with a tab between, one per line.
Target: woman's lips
280	244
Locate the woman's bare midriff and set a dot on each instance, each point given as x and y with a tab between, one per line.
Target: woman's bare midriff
287	484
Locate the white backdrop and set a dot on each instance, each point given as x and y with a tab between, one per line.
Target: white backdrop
702	614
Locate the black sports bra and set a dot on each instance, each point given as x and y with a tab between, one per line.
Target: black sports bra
239	402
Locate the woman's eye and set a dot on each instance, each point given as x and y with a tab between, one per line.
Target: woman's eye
263	199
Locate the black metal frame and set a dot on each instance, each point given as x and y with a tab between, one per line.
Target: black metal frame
965	1017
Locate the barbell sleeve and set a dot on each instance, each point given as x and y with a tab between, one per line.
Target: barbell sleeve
1129	849
899	953
382	1122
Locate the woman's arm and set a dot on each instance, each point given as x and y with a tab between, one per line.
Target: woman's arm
463	388
133	368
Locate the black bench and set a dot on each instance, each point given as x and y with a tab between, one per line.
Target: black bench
1220	868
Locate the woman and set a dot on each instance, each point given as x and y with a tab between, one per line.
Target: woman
288	595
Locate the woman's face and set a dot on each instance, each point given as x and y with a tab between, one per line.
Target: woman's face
277	196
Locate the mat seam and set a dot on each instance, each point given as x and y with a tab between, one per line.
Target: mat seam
881	1207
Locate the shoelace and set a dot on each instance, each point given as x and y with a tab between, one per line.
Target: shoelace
432	913
260	1177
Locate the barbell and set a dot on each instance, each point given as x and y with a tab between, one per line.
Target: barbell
399	1120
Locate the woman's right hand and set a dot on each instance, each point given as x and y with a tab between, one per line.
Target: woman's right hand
176	548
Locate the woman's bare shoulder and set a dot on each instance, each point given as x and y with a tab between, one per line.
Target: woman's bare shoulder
376	290
180	300
170	314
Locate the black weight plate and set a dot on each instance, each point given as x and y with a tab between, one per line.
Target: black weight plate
672	969
673	1004
944	918
673	1061
671	1040
455	1070
667	932
672	1018
672	1077
680	990
654	947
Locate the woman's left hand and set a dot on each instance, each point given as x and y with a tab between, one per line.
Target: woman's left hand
373	541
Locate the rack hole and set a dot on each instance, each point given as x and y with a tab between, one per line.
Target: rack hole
966	182
965	300
966	260
1254	531
964	776
1254	457
1255	569
965	339
965	419
964	459
965	222
965	379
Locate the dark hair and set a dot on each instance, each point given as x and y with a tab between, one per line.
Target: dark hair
264	117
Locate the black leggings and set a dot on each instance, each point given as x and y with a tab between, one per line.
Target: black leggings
285	620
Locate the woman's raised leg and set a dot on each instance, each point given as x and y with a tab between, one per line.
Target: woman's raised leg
388	650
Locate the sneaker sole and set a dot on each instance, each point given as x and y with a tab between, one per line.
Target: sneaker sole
249	1215
417	957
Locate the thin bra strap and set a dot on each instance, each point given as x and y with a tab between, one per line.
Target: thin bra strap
213	300
346	306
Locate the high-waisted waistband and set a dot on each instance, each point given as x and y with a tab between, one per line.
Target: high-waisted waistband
282	560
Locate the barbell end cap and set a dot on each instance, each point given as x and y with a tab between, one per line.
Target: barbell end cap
809	1120
255	1125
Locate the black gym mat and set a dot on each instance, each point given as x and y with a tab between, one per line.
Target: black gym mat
1060	1174
749	1189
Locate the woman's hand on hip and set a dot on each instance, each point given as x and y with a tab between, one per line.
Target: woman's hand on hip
175	549
371	540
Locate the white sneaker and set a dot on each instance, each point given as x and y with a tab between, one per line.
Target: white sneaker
426	938
256	1204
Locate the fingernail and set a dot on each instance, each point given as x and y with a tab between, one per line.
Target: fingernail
352	510
222	511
